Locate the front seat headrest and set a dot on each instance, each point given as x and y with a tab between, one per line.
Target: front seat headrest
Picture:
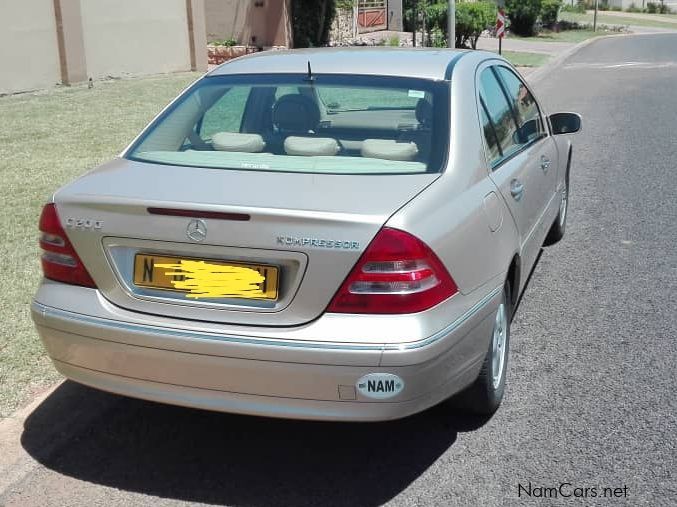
424	112
296	113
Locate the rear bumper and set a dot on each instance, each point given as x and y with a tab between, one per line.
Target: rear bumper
233	372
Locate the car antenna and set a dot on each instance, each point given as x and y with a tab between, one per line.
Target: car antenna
310	76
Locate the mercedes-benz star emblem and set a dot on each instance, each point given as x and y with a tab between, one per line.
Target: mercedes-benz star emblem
197	230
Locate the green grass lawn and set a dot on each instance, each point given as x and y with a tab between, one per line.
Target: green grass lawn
574	36
522	59
46	140
658	20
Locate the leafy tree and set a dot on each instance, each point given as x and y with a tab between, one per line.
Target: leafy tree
311	21
523	15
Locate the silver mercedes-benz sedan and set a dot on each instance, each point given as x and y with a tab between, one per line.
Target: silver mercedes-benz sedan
320	234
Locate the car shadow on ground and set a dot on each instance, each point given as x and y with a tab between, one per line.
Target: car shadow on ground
200	456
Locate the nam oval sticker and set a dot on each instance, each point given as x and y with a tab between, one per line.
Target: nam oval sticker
380	385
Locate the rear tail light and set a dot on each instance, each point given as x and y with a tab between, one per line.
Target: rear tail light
59	260
398	273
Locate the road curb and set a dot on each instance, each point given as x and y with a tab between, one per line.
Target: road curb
557	61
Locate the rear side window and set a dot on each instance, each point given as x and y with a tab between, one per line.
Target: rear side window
493	148
334	124
499	113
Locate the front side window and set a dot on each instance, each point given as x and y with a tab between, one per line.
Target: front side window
510	116
523	103
330	124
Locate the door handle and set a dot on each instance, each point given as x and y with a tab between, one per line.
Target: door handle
516	189
545	163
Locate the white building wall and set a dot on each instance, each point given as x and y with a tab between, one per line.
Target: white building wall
135	38
29	55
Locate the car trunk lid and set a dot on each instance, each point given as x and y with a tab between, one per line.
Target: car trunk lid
305	230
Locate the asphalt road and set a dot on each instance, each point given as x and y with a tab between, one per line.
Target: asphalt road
591	393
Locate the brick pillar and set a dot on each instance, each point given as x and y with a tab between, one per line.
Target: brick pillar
70	41
197	34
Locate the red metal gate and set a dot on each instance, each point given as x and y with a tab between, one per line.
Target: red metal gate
371	15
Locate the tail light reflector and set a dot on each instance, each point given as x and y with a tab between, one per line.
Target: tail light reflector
398	273
60	262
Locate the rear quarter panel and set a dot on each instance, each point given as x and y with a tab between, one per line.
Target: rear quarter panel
450	215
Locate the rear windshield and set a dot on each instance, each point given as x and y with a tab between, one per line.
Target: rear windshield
327	124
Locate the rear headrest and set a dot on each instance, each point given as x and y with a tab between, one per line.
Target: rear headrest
311	146
296	113
424	112
388	149
232	141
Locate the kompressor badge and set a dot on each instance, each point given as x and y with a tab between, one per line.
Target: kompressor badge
317	242
380	385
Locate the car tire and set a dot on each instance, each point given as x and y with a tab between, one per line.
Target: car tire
483	397
558	227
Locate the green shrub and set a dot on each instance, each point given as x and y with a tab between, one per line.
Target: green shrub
345	4
393	41
224	42
550	11
438	38
472	18
657	8
523	15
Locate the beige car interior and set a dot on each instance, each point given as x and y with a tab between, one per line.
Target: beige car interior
296	119
299	130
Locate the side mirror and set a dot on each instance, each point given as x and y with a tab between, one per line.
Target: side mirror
565	123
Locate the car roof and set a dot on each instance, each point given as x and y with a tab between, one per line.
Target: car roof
422	63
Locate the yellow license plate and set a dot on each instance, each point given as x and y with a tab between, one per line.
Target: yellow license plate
206	279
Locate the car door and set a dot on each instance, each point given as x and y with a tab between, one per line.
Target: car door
533	129
521	154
